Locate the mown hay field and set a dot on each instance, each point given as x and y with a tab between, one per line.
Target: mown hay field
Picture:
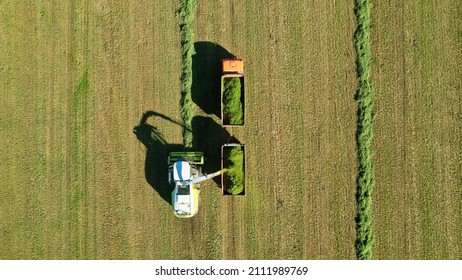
300	127
78	183
77	79
416	71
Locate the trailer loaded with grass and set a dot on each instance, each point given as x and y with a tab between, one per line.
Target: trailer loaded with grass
232	93
233	163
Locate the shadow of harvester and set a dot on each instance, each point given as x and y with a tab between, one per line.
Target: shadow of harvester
208	137
157	150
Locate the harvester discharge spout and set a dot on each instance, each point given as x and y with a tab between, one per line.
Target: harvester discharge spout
205	177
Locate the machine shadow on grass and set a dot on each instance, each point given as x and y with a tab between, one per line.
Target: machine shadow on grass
206	84
157	150
208	137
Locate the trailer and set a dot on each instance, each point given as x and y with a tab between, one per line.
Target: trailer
225	164
232	93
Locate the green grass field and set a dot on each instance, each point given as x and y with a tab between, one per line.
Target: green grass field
76	78
417	145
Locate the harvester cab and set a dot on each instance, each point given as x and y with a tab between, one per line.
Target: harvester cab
184	174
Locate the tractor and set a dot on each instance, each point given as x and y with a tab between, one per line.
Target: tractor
185	174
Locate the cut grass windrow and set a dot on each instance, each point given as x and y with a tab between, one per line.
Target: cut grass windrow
188	108
365	100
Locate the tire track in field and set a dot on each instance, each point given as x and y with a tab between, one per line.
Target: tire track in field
389	124
80	148
110	134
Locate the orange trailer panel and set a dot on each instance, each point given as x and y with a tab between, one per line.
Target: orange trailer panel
233	66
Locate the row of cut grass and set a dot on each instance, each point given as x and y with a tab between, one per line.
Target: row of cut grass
188	107
365	101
